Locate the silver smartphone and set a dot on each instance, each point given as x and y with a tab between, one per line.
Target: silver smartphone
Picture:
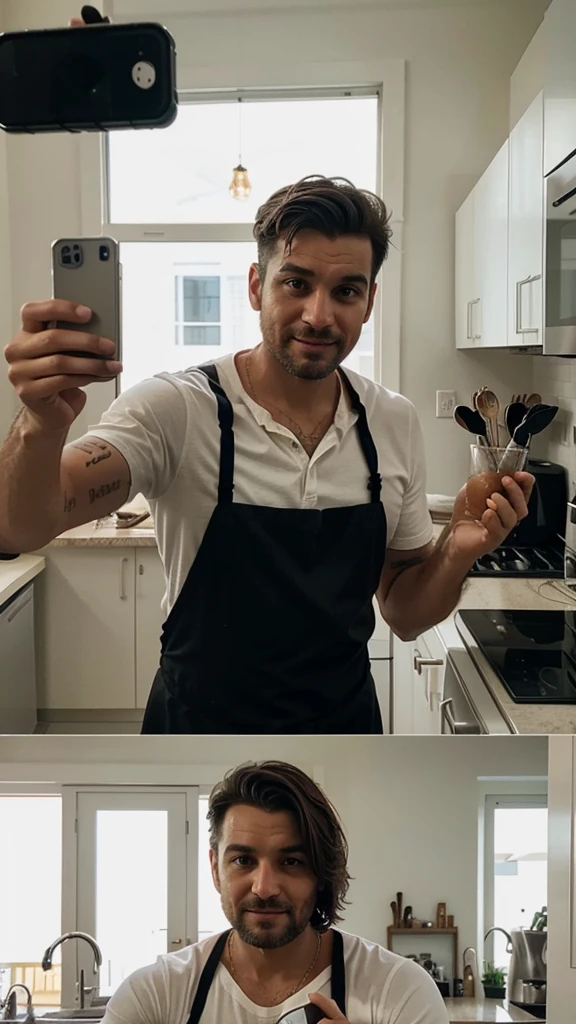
87	271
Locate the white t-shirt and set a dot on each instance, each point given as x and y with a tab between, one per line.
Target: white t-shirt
381	988
167	429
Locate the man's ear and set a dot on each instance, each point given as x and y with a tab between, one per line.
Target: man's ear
255	284
214	870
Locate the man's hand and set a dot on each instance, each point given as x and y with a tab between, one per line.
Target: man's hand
471	538
328	1006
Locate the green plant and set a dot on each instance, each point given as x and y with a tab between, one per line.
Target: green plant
494	977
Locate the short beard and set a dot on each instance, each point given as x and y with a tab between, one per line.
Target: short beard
306	369
261	938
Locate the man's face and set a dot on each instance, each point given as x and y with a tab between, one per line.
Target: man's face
267	889
314	301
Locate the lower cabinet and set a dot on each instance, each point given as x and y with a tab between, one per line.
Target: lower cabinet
417	685
98	627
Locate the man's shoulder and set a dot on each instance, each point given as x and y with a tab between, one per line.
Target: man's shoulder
376	398
370	956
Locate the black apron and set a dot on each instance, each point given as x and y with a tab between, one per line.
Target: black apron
338	980
270	631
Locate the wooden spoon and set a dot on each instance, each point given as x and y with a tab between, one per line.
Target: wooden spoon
533	399
489	408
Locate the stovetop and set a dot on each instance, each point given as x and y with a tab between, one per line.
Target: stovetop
543	562
532	652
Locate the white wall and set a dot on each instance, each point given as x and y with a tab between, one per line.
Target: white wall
6	402
460	58
409	806
561	880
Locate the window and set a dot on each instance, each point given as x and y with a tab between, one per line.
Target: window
30	893
211	919
197	310
186	246
516	869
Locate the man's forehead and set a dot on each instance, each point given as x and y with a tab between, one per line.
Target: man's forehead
244	819
321	253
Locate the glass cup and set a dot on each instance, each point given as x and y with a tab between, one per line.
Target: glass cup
488	466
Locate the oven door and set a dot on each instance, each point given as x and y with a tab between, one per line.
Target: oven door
560	260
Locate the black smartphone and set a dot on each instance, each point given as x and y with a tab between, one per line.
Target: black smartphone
309	1014
97	78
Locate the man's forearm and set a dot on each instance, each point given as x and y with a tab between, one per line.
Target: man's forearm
31	500
425	593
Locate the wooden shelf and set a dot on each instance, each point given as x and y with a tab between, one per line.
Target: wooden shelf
423	931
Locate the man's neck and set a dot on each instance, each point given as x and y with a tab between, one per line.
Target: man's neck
290	961
275	385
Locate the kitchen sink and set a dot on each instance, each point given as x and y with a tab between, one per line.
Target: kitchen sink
89	1013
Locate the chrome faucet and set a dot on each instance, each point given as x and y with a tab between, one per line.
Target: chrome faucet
10	1007
82	990
509	948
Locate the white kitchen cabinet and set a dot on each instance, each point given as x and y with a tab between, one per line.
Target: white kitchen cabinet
417	685
150	587
560	83
86	629
464	273
481	269
489	314
526	227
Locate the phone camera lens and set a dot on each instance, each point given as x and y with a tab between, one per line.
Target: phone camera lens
77	257
104	253
65	250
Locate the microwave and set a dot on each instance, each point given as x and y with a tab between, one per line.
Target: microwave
559	336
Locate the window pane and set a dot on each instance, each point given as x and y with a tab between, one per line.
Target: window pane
182	174
131	891
520	869
211	918
201	335
201	299
30	894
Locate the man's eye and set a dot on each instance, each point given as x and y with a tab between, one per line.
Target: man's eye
295	283
242	861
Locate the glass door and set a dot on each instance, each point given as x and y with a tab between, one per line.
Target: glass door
136	878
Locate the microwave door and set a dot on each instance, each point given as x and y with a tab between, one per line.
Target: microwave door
560	262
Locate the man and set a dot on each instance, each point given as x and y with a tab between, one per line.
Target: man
286	492
279	861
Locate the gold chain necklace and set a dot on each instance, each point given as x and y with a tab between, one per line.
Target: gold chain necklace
316	433
299	984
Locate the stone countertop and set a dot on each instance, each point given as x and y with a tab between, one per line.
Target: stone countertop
15	573
493	1011
519	594
92	535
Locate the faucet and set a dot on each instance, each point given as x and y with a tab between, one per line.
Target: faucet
82	991
10	1007
504	932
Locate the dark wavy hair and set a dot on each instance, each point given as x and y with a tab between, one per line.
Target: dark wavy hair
277	786
332	206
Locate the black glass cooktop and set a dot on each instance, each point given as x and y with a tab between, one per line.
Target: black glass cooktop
532	652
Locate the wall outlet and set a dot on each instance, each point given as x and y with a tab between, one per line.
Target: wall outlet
445	403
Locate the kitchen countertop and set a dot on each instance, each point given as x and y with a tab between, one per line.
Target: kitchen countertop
92	536
493	1011
15	573
519	594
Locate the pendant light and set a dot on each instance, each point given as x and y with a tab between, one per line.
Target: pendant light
240	187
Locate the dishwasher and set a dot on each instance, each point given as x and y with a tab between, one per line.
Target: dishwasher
18	705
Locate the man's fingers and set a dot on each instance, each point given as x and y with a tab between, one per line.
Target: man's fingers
35	315
504	510
328	1006
515	496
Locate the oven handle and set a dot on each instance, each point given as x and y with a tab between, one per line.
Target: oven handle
564	199
447	716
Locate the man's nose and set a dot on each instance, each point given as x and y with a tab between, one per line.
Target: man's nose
265	882
318	310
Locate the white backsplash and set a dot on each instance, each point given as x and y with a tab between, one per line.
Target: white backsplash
555	379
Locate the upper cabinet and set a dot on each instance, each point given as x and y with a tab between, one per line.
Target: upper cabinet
481	270
526	228
560	83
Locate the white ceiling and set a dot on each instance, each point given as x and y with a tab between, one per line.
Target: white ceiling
156	9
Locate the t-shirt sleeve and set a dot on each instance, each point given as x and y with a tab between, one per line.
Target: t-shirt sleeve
142	998
413	997
414	528
147	424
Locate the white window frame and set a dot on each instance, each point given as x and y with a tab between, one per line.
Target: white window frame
386	78
532	794
182	271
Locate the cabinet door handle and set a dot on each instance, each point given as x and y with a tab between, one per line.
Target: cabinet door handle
519	286
475	302
447	715
123	594
468	322
420	663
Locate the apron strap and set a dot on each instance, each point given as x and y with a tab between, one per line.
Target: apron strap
365	438
206	979
338	980
226	421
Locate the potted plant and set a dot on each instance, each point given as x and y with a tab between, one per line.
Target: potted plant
494	982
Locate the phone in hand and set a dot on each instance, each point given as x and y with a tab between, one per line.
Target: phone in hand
96	78
309	1014
87	271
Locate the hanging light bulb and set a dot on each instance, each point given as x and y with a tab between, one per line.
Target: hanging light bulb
240	187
